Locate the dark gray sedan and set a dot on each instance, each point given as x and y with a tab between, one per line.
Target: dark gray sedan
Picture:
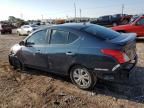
84	52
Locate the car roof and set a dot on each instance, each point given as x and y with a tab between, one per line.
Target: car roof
74	26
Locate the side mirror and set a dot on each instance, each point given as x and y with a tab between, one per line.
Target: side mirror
22	43
29	44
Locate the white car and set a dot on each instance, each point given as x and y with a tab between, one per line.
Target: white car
26	29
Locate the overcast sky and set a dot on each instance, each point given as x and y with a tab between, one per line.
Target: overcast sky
35	9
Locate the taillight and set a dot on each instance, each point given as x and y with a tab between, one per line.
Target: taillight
121	57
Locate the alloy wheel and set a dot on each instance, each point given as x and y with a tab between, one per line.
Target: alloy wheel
82	77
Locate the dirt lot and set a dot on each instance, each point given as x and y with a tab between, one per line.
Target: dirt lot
38	89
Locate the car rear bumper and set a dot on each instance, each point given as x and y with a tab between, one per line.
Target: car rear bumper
118	71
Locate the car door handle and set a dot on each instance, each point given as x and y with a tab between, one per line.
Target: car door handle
70	53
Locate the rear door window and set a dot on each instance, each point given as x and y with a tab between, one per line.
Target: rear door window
58	37
71	38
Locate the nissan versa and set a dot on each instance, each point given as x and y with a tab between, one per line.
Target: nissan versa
84	52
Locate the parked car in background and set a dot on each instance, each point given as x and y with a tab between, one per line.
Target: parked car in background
136	26
26	29
113	20
133	18
5	28
83	52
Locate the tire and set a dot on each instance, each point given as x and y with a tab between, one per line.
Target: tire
18	33
82	78
10	32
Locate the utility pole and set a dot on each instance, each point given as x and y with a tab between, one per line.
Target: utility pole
21	15
42	16
67	18
123	9
80	14
75	10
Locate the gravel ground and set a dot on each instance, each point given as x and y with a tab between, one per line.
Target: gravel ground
38	89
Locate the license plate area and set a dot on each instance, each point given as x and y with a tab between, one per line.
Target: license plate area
131	54
130	50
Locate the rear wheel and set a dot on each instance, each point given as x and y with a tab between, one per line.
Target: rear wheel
82	77
18	33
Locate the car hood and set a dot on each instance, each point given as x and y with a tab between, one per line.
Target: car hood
124	39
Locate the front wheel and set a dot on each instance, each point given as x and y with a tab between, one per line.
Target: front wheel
82	77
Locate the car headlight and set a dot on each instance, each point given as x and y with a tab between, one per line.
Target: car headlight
14	49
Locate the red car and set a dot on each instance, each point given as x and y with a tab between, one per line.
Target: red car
137	26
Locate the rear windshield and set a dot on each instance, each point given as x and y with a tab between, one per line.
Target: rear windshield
101	32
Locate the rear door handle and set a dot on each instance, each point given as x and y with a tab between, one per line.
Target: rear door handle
70	53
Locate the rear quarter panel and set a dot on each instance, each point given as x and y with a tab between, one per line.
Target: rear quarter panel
90	55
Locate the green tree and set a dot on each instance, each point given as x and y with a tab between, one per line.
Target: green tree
19	22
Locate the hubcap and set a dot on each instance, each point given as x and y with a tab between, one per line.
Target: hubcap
82	77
